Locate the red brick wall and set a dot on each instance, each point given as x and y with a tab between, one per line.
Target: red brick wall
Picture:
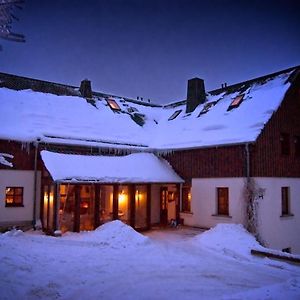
267	160
210	162
23	155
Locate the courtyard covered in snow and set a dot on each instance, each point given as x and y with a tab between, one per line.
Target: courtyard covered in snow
116	262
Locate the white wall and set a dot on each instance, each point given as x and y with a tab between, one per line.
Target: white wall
277	232
17	215
204	202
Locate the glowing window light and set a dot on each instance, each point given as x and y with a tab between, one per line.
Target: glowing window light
122	197
113	104
236	102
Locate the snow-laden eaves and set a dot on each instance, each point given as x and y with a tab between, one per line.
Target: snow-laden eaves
4	161
133	168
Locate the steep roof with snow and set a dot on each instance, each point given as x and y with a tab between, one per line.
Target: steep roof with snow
133	168
27	115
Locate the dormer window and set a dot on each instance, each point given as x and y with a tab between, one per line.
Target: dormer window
206	108
236	102
175	114
113	104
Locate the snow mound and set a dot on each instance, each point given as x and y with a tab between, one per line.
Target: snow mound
116	234
12	233
230	239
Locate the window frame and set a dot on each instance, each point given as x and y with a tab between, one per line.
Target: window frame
175	114
236	102
112	103
220	210
14	196
285	201
186	201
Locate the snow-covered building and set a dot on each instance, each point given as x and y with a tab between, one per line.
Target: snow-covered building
75	159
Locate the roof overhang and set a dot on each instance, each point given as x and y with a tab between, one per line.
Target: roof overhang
132	168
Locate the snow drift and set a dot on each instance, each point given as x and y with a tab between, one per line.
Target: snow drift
231	239
114	234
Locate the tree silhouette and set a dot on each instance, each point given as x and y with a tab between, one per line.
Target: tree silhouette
6	18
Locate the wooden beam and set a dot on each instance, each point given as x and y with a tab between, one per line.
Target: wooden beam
97	206
115	201
178	193
131	192
149	206
77	209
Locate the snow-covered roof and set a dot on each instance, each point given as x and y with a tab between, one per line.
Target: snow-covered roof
26	116
132	168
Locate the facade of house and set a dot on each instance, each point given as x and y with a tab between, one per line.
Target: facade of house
75	159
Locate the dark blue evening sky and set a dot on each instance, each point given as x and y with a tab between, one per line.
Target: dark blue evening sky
151	48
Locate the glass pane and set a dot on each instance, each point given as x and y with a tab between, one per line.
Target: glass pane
45	206
51	207
18	191
9	199
9	191
19	199
87	207
141	206
67	207
124	204
106	203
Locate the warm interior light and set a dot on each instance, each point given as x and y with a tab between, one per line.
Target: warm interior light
189	196
122	197
85	205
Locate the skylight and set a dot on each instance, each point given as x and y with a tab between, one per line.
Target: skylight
175	114
236	102
206	108
113	104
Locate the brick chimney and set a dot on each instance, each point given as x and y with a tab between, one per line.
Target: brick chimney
195	94
85	89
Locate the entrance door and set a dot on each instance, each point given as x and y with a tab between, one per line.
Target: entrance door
164	205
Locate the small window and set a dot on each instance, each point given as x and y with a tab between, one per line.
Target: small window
223	207
287	250
113	104
206	108
285	143
186	199
13	196
236	102
297	146
285	201
175	114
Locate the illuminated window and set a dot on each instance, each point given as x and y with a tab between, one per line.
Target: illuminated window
236	102
222	201
285	143
206	108
14	196
285	201
175	114
113	104
186	199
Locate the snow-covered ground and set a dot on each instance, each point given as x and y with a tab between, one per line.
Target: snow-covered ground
115	262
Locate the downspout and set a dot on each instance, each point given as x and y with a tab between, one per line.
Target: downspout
247	162
36	145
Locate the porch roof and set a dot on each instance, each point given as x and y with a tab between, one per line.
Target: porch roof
132	168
